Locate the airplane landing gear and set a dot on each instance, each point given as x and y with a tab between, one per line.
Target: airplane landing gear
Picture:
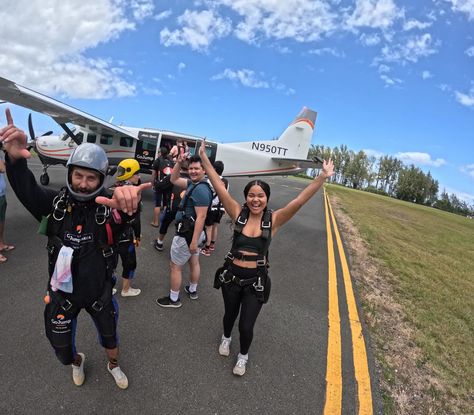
44	179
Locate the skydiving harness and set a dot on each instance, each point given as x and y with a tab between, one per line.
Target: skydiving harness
185	227
261	282
104	240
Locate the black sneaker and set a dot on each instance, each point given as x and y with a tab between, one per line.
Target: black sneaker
158	246
192	295
167	302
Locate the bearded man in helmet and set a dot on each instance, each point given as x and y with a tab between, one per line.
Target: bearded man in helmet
82	224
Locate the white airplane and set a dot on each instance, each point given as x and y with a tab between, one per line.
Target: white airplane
286	155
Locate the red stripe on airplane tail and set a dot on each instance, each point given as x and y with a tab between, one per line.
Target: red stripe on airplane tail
306	120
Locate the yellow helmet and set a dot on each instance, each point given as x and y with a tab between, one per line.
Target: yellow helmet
127	168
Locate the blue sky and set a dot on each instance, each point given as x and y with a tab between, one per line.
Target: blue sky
385	76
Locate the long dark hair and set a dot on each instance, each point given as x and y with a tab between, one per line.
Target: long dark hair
264	185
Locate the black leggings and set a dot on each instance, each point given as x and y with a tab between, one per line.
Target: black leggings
244	299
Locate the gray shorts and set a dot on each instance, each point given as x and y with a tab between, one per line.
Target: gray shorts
180	253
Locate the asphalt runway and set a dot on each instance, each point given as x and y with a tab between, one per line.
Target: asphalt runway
170	355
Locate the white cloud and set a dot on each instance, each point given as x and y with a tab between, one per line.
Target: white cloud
250	79
390	81
327	51
378	14
181	66
199	30
142	9
467	197
44	41
463	6
383	69
415	24
246	77
373	153
469	170
444	87
153	91
465	99
426	75
163	15
415	48
301	20
369	40
420	159
470	52
284	50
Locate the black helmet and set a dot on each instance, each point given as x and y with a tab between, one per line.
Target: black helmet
87	156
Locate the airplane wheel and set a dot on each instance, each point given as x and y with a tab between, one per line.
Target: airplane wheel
44	179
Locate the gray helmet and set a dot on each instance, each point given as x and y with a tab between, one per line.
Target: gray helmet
87	156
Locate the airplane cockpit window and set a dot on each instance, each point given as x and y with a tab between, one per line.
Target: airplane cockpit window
126	141
106	139
91	138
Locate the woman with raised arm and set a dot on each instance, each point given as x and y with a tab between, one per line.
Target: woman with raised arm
243	277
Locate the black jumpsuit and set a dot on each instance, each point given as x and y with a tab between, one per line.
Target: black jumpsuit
91	271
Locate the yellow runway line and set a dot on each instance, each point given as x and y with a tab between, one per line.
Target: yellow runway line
333	403
361	368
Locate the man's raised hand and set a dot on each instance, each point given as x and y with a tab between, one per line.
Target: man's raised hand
125	198
13	139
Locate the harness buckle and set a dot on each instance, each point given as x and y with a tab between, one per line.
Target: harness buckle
97	306
67	305
266	224
222	277
261	262
101	214
239	220
258	285
107	252
230	256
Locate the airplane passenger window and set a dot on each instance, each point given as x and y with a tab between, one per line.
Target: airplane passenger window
80	137
126	141
91	138
106	139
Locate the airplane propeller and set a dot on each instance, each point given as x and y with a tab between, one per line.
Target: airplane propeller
32	131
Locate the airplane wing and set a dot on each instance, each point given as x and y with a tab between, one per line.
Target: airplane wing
61	113
303	163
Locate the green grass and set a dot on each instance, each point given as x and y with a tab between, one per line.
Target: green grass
430	254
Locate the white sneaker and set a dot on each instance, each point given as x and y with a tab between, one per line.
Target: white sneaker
239	368
224	347
78	375
132	292
114	291
120	377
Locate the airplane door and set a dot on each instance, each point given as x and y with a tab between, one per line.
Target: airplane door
211	150
146	149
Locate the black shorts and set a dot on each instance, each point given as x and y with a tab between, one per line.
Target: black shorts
162	197
214	216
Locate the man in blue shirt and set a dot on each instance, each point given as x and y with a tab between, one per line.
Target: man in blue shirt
190	233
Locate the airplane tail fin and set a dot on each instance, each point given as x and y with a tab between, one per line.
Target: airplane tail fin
297	136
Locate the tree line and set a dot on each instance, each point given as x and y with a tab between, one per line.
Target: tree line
388	176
